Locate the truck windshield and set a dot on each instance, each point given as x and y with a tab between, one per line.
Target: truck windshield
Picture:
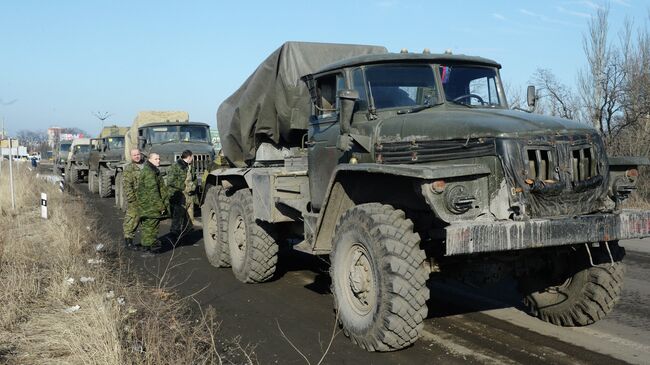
392	86
116	143
195	134
471	85
163	134
64	148
82	148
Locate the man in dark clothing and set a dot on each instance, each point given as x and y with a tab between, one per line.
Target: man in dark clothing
152	202
181	187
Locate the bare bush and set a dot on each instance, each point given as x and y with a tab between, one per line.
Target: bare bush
49	316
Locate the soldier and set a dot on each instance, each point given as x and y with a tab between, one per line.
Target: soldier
182	188
130	179
152	202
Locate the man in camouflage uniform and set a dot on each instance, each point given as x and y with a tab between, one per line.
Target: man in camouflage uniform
152	202
130	179
182	188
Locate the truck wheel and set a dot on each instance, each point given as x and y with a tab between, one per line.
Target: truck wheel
253	250
379	277
92	182
104	183
577	294
119	191
74	175
213	226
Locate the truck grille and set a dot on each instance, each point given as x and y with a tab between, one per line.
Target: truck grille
408	152
541	164
200	164
558	175
583	163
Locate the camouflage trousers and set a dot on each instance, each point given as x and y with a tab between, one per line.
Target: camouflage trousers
149	230
131	220
181	218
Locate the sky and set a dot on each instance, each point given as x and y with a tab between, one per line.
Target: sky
61	61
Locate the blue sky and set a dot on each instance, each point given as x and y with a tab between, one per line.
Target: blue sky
62	60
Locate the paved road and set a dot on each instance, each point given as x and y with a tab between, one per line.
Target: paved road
464	326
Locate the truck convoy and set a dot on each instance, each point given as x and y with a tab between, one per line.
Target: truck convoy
403	165
166	133
60	156
76	167
106	155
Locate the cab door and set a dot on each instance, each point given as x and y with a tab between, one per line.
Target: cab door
323	134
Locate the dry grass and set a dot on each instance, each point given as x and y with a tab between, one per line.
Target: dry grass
119	320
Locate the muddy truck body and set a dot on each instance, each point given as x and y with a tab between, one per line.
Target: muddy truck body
409	167
167	133
76	167
60	156
107	153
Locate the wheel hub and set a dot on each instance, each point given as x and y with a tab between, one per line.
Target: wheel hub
361	280
239	233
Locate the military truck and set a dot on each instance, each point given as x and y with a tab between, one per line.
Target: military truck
167	133
60	156
76	167
409	166
106	155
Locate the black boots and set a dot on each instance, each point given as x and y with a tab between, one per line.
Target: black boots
128	242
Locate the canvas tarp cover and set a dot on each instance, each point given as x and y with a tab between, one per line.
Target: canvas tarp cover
274	101
150	117
113	131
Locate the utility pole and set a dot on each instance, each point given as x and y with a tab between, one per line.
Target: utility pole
11	174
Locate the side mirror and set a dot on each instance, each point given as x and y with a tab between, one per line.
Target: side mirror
347	99
532	96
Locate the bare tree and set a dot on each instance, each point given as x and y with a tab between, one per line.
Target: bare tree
554	97
102	116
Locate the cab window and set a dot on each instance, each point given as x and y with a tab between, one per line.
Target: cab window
327	88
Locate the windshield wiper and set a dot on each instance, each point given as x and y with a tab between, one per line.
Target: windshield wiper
416	109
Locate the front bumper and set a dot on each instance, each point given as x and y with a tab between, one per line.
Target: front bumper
480	237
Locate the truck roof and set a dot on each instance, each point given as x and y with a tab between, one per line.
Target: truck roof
172	123
402	57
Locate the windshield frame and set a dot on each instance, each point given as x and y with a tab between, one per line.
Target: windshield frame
503	102
78	148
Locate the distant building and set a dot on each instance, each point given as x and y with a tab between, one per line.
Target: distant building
56	134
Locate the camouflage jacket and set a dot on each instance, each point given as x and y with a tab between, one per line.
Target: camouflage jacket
152	192
131	174
180	180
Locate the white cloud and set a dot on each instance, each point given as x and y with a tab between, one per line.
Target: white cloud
498	16
571	12
623	2
544	18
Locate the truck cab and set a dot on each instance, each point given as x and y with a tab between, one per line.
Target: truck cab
76	169
60	156
106	154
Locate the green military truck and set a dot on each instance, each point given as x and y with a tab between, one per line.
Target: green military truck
410	164
167	133
106	155
60	156
76	167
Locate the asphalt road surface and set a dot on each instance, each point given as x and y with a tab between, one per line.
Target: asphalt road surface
465	325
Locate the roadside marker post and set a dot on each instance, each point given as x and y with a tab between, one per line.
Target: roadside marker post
43	205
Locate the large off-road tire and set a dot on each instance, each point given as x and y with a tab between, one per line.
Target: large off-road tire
252	247
66	174
214	217
92	182
574	293
105	188
379	277
119	192
74	175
